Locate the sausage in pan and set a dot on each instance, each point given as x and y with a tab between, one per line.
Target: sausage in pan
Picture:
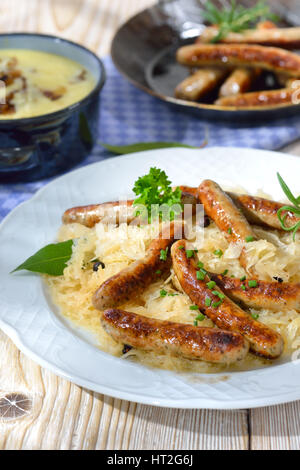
239	81
283	96
231	55
286	38
201	82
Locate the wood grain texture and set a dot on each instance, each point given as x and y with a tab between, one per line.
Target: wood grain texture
64	416
39	410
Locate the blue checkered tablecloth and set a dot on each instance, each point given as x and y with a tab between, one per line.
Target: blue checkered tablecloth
129	115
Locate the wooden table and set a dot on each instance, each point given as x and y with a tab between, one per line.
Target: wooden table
52	413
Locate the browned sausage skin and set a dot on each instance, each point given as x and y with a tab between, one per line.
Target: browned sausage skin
206	344
258	211
283	97
131	281
107	212
262	211
231	55
270	295
201	82
266	35
115	212
220	207
239	81
225	314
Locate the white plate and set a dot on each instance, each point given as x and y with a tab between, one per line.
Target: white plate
36	328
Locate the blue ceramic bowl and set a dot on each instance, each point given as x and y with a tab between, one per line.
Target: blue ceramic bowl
42	146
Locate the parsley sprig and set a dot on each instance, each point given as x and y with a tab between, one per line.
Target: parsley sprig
236	18
156	195
295	209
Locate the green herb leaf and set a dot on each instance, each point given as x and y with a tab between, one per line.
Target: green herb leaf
218	253
200	317
211	284
236	18
286	209
142	146
163	293
156	194
164	254
287	191
52	259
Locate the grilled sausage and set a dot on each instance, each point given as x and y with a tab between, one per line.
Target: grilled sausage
269	295
116	212
206	344
131	281
224	313
257	99
258	211
286	38
239	81
219	207
231	55
200	83
262	211
108	212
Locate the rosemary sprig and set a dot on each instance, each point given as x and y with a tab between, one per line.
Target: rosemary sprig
236	18
295	209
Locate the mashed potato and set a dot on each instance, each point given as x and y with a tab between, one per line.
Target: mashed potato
275	254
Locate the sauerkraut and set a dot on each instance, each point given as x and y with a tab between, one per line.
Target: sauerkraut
274	254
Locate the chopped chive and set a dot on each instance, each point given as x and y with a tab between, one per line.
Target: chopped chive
249	239
211	284
225	272
252	283
216	304
172	294
218	294
215	292
243	287
194	307
229	231
218	253
243	278
255	316
163	293
200	276
200	264
208	301
163	254
200	317
190	253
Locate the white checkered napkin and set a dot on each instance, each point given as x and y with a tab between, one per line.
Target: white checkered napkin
129	115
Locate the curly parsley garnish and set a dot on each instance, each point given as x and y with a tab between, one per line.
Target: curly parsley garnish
156	195
295	209
236	18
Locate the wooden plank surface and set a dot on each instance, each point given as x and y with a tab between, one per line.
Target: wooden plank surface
39	410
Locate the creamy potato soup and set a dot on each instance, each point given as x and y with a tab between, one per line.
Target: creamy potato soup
35	83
